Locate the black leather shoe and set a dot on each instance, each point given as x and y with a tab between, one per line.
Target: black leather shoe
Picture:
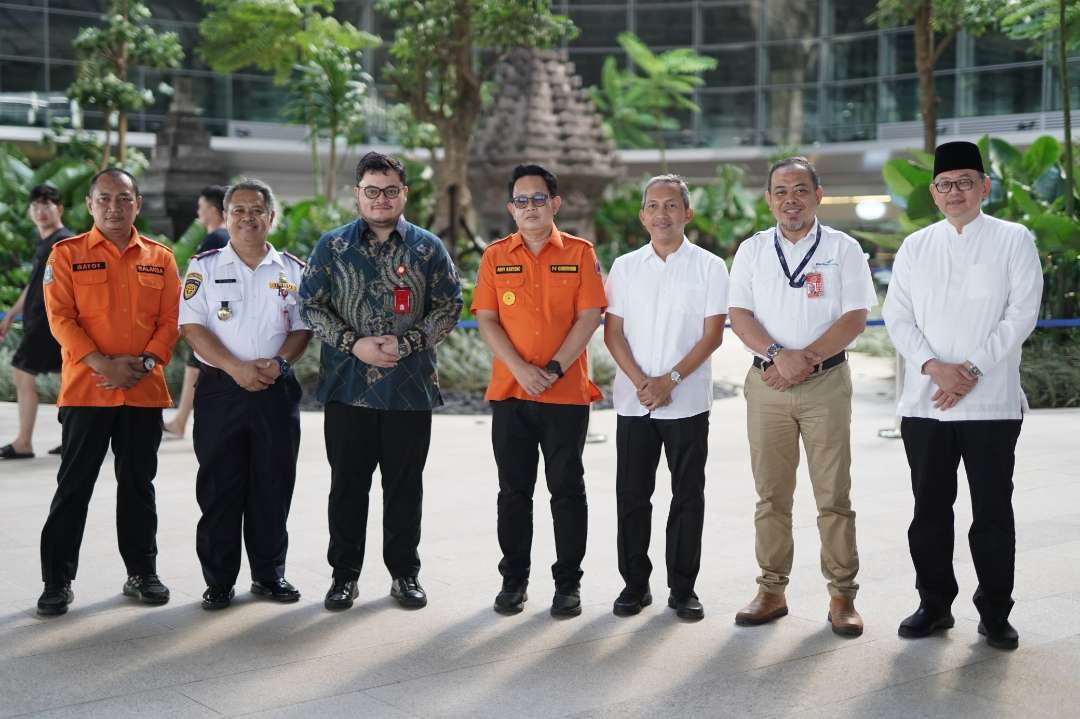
512	598
631	602
566	602
217	597
688	607
55	599
341	594
147	588
1001	636
279	590
925	621
408	592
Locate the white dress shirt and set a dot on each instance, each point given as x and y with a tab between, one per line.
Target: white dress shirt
791	315
972	297
663	305
264	308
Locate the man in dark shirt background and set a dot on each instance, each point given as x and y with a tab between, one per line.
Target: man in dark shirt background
38	353
211	215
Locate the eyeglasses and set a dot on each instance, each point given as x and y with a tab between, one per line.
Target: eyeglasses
241	211
372	192
523	201
964	184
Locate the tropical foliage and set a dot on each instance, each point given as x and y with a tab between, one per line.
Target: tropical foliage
106	55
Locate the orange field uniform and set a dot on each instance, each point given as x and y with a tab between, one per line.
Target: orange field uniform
538	298
98	298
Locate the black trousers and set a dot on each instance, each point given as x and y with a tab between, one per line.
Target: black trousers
934	450
357	440
685	442
520	430
134	433
246	444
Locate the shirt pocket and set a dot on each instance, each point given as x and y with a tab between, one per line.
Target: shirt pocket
91	292
563	290
509	291
149	300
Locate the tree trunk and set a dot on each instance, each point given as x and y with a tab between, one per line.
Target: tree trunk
330	182
107	149
122	73
452	207
121	138
924	65
1070	181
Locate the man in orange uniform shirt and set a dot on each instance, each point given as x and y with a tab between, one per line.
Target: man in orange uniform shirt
112	297
538	300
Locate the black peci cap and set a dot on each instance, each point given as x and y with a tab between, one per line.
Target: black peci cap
958	155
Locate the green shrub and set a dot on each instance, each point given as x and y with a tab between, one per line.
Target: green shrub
1050	368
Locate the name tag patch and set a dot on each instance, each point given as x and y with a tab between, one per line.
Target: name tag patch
150	269
231	280
508	269
564	268
87	266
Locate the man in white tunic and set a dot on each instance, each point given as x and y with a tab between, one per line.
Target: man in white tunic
964	295
240	314
667	303
800	293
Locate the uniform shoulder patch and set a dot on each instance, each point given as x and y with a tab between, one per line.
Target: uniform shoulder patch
208	253
295	259
192	282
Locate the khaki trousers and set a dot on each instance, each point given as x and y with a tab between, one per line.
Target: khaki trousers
819	410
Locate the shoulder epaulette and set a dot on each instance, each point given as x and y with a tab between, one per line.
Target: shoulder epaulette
567	236
201	255
152	241
295	259
70	240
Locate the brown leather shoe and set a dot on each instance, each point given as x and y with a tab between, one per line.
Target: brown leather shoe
764	608
844	619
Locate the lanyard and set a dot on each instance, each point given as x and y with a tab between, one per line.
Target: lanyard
802	265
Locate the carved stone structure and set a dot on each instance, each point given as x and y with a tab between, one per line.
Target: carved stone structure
182	164
541	115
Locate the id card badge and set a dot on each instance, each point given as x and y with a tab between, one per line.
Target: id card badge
402	300
815	284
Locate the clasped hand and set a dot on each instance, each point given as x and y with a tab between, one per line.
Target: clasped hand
380	351
953	380
119	372
790	367
255	375
655	392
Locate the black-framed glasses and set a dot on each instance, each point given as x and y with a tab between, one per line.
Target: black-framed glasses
523	201
964	184
372	192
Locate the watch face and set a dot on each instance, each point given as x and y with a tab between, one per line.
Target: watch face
149	363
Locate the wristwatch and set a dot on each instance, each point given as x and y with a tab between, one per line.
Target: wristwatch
554	367
973	369
284	366
148	362
772	350
675	376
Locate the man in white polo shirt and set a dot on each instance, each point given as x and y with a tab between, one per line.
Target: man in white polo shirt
964	295
667	303
800	293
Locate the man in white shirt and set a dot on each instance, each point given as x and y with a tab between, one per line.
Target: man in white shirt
239	312
800	293
667	303
964	295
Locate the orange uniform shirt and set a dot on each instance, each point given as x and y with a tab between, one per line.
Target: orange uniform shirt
538	298
116	303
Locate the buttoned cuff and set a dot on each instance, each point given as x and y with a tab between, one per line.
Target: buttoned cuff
922	359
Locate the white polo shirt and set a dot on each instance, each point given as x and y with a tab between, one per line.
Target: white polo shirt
262	302
794	317
663	305
972	296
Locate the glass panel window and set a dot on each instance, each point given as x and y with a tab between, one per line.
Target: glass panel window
590	65
850	15
791	116
852	113
735	67
791	19
1004	92
183	10
598	28
995	49
729	118
792	63
900	54
208	91
667	25
63	30
854	58
257	99
729	23
1074	88
900	99
93	6
22	33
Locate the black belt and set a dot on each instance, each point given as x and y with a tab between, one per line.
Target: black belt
213	371
838	358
